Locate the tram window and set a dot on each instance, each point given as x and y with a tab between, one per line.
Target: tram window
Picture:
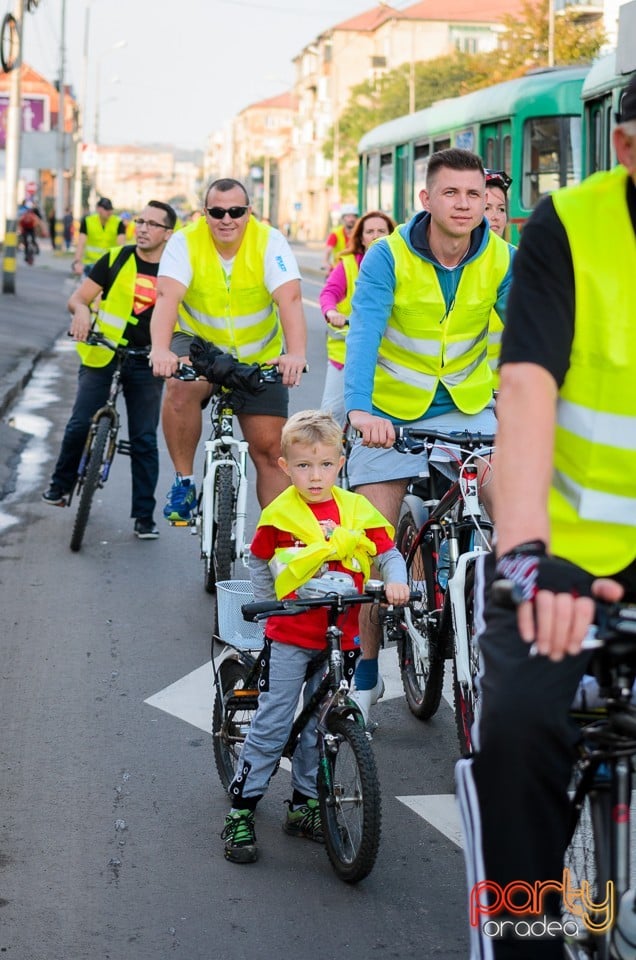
507	153
442	144
386	182
420	164
551	151
373	182
489	154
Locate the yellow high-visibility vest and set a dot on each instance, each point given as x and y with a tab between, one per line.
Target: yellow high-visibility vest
336	336
115	312
593	495
99	237
239	316
426	343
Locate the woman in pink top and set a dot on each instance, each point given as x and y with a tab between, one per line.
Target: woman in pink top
335	303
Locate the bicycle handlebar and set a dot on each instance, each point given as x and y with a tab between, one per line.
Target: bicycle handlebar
267	374
97	339
419	439
261	609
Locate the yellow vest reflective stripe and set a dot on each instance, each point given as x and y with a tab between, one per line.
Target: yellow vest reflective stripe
336	336
495	329
593	495
424	343
348	544
99	238
115	313
239	316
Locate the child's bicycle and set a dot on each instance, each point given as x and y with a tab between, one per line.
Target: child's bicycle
101	442
348	786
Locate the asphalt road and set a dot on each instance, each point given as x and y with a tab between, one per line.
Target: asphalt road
110	808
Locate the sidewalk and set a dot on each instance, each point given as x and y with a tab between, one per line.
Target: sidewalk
31	320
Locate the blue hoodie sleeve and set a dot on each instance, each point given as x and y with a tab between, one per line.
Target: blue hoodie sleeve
370	311
504	287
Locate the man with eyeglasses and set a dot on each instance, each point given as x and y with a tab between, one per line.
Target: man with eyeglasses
234	282
126	280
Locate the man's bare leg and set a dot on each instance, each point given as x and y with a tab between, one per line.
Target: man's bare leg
263	436
181	421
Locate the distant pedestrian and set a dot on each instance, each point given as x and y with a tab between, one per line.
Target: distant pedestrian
98	233
67	226
52	222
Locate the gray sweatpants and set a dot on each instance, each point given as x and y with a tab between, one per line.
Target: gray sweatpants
273	720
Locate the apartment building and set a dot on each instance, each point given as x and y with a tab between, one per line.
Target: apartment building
132	175
360	48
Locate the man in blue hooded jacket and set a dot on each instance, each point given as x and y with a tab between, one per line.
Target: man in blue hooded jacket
417	346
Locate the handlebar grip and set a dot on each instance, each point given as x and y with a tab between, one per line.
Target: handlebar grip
251	611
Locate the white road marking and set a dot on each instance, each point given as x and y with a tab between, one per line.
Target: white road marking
440	811
311	303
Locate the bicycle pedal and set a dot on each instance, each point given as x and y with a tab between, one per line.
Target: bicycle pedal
370	729
182	523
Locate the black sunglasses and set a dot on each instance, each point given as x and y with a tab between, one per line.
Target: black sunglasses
498	178
217	213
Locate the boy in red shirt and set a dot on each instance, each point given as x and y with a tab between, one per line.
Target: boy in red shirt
311	527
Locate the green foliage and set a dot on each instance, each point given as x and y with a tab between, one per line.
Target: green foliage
523	46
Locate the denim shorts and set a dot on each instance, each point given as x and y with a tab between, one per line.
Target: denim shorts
273	401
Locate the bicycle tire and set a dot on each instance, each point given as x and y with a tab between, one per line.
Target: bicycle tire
219	565
588	855
91	482
228	730
421	661
467	701
350	801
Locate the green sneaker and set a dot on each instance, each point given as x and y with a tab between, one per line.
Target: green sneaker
240	837
304	822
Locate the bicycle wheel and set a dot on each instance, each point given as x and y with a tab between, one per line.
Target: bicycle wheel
219	565
350	803
229	727
91	481
588	857
466	696
421	661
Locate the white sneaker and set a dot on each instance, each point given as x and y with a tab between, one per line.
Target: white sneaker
366	698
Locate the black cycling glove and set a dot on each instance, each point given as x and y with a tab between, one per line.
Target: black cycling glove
530	569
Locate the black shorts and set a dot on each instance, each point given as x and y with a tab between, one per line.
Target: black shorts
273	401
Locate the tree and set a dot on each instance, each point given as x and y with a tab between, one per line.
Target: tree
523	46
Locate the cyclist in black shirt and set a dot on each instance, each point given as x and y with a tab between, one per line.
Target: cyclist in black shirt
126	279
565	487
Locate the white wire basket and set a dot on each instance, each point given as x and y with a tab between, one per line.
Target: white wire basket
230	595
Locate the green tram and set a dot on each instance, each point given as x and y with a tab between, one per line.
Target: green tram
530	127
601	95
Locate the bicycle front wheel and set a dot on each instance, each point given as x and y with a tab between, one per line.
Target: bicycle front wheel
350	802
91	481
421	661
466	694
229	725
218	566
588	858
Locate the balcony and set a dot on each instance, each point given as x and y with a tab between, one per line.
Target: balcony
581	11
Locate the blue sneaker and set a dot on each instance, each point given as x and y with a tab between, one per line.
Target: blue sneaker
181	501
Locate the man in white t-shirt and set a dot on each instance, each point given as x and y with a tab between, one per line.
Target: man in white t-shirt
234	282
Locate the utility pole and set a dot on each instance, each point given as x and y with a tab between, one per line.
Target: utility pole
12	162
81	128
58	239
